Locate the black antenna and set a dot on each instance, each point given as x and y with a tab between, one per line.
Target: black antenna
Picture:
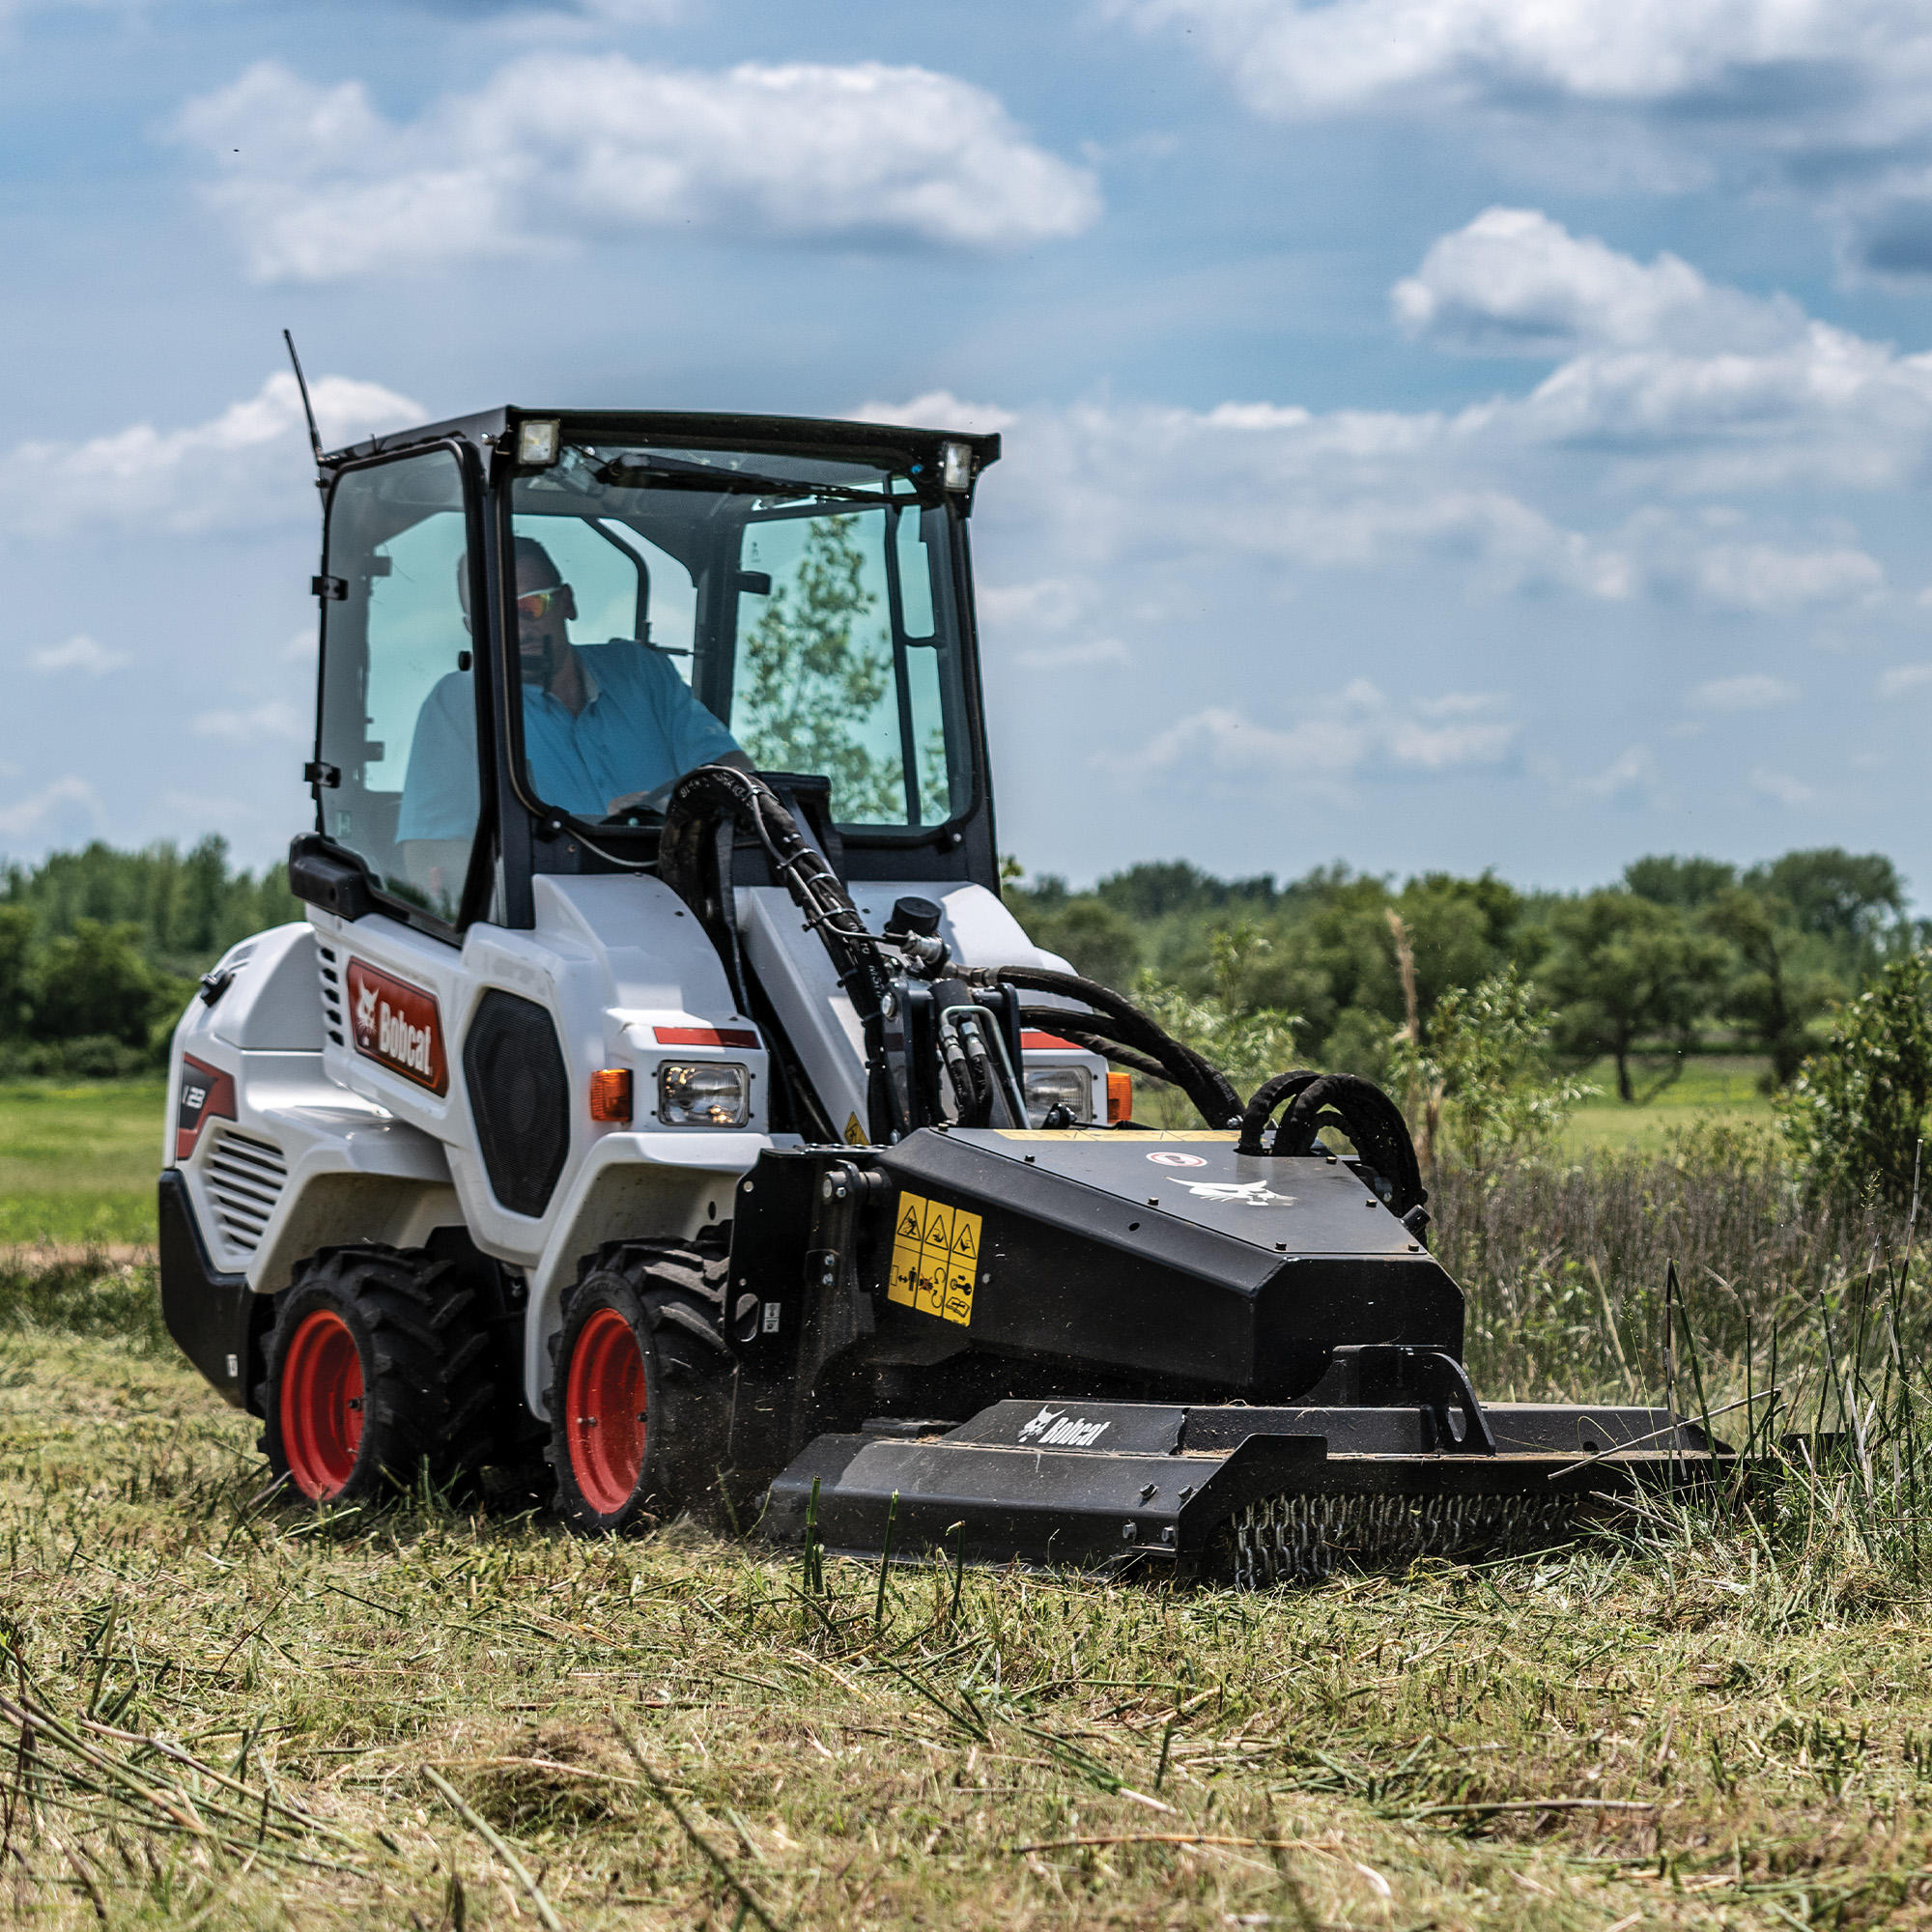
301	383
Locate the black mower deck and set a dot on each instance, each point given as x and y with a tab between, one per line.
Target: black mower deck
1243	1495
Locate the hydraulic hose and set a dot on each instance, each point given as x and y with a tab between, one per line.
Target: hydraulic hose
1207	1086
691	862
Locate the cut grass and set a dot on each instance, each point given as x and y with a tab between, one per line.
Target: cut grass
219	1711
77	1162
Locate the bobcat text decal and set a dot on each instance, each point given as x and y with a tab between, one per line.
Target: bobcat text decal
397	1026
1054	1428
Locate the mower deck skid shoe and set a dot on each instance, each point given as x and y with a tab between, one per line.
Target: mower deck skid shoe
1230	1495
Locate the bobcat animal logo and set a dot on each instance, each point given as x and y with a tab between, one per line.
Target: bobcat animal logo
365	1009
1054	1427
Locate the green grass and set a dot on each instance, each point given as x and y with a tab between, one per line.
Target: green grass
77	1163
1708	1086
656	1730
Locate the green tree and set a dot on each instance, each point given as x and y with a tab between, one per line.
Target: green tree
1247	1043
1086	931
811	682
1845	896
1686	884
1484	1069
1625	969
16	970
1855	1115
1770	993
92	983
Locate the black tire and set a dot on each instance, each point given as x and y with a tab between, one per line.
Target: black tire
418	1398
643	1318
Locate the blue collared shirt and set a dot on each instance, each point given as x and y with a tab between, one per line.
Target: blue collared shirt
639	729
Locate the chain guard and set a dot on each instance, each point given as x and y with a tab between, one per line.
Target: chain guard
1301	1539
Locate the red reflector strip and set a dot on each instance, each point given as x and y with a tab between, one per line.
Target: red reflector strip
1048	1042
706	1036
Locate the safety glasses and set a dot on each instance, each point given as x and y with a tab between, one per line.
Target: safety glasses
535	603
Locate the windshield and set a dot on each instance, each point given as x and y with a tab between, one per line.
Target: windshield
678	606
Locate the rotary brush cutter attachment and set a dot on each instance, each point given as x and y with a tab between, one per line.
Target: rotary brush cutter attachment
1160	1353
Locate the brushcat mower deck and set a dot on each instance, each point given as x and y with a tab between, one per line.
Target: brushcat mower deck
659	1105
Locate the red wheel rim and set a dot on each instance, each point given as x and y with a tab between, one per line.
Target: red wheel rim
322	1405
605	1422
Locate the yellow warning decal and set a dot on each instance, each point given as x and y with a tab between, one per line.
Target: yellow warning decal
935	1257
855	1134
1108	1134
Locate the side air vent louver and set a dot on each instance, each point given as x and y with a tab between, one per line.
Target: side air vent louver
331	993
244	1180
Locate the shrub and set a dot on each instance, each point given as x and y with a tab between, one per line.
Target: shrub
1855	1115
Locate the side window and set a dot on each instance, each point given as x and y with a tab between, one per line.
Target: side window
820	685
398	681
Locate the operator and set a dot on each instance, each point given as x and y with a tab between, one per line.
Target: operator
605	726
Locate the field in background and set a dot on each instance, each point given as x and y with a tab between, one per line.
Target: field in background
77	1162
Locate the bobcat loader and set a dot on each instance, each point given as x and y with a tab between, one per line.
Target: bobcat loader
659	1090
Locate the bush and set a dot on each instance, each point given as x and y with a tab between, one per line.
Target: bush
1855	1116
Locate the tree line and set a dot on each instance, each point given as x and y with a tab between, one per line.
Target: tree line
100	951
1681	954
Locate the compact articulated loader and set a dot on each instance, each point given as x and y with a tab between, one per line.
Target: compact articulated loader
658	1085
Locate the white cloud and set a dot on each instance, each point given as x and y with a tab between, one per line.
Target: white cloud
558	148
249	465
1340	733
1781	786
273	719
69	804
940	409
1830	98
1632	774
1301	56
1752	690
78	653
1902	679
1515	282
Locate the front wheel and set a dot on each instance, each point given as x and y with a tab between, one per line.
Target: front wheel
640	1383
378	1372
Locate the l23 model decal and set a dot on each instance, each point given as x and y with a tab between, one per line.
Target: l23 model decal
397	1026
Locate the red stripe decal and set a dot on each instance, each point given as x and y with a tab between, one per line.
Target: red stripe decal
706	1036
1047	1043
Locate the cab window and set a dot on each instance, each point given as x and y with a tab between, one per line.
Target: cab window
398	732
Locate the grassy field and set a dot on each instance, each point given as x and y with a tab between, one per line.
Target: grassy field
1707	1087
216	1711
77	1162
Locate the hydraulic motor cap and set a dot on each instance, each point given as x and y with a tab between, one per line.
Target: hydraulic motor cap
916	916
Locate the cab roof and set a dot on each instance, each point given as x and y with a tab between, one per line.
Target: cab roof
800	436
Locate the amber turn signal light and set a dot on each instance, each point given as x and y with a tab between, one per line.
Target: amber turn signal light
1120	1098
610	1095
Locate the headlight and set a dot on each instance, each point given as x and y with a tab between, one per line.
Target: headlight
1068	1087
704	1094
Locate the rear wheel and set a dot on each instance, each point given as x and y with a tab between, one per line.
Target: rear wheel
640	1386
379	1371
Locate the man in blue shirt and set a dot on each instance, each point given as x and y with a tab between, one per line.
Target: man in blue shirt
604	726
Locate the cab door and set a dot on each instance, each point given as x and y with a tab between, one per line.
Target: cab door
400	782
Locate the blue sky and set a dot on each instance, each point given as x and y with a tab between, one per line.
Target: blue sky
1439	433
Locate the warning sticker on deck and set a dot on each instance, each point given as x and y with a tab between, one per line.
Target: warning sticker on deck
935	1257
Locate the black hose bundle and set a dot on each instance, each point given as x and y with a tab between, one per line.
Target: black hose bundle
694	861
1358	1108
1115	1023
